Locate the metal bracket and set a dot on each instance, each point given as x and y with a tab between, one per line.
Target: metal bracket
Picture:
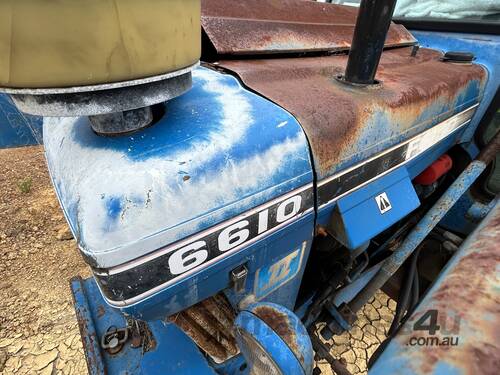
114	339
239	278
342	320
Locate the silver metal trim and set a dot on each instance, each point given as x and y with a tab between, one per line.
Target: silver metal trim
99	87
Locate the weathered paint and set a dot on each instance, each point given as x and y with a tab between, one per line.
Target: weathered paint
90	340
465	292
486	50
275	275
281	333
218	151
348	124
174	352
265	27
16	128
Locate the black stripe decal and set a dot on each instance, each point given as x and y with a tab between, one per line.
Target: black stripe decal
126	285
339	185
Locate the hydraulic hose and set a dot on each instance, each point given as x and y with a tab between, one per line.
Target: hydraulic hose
427	223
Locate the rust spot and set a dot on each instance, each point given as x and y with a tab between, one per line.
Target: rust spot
469	290
321	231
100	311
416	93
279	323
87	340
209	324
284	26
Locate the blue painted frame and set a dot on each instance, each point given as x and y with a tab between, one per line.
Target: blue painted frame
18	129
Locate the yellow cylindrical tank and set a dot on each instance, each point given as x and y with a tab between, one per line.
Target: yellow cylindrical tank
66	43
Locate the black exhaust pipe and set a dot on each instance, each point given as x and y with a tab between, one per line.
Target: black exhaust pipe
374	19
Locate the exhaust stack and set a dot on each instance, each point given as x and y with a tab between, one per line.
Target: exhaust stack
372	25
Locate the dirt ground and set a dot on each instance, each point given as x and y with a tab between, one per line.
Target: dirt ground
38	329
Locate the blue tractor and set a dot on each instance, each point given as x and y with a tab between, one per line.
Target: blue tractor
237	214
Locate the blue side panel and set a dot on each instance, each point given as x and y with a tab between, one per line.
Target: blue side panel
175	353
218	151
209	281
16	128
359	218
486	48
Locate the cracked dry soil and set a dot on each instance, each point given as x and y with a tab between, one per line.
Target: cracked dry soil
38	328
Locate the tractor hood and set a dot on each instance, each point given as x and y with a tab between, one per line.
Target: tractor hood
256	27
215	153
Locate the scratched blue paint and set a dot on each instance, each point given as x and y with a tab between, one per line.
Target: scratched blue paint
286	294
443	368
274	275
218	151
381	130
486	49
183	358
85	319
392	362
16	128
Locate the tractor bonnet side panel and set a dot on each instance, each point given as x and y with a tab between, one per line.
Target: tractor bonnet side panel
348	124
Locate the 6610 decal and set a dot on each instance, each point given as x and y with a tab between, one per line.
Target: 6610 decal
178	260
234	235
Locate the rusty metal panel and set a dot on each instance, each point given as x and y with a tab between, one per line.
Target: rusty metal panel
209	324
347	124
284	26
466	300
